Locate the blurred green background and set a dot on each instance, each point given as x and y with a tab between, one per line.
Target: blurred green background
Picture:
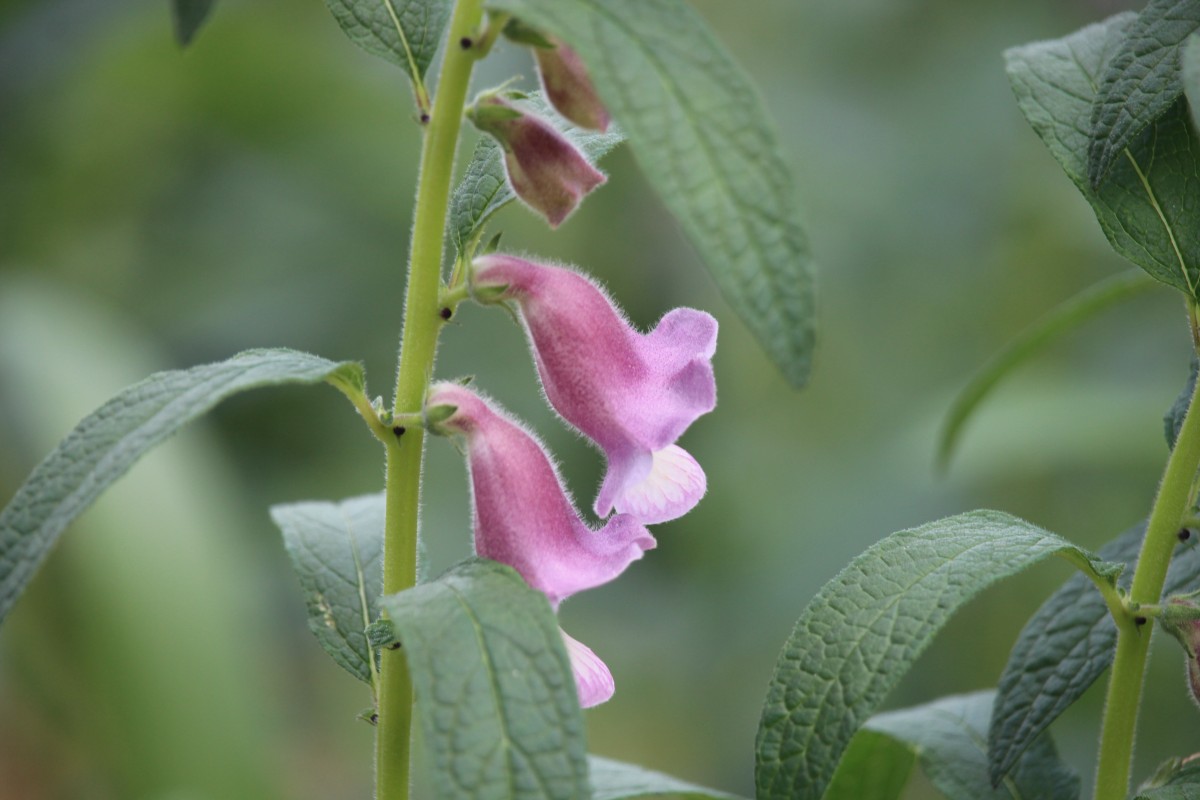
160	209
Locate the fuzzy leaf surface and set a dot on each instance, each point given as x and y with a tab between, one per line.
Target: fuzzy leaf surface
1067	644
1148	203
1140	82
493	687
404	32
616	780
188	16
484	188
109	440
948	737
701	135
337	550
867	626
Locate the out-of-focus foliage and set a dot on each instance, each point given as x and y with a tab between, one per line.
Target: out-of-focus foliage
160	209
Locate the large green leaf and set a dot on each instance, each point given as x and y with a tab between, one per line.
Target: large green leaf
404	32
1148	205
107	443
484	188
1063	318
188	16
336	550
947	737
1066	645
1140	82
704	140
616	780
494	690
867	626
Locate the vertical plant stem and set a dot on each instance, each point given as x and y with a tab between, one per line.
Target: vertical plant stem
418	344
1133	640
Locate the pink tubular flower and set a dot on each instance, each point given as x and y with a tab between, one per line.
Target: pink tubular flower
567	86
632	394
546	171
523	518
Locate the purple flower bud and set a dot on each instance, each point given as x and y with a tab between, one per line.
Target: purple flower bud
524	518
566	84
546	171
632	394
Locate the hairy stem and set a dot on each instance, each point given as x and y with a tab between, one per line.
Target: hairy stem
418	344
1171	507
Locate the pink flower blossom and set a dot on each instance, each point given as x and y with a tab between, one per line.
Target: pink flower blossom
633	394
567	86
545	169
524	518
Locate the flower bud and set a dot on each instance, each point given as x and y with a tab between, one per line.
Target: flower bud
566	84
546	171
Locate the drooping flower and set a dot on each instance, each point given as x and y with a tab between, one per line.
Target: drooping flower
632	394
568	87
546	170
524	518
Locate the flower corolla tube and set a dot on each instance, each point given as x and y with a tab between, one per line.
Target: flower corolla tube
633	394
524	518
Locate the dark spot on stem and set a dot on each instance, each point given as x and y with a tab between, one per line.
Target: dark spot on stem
394	646
446	313
1184	534
465	43
424	117
398	430
1139	621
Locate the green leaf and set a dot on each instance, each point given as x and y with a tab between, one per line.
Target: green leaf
188	16
336	550
107	443
494	690
1066	645
1140	82
948	735
484	188
1148	205
704	140
404	32
874	767
1173	419
1065	317
867	626
616	780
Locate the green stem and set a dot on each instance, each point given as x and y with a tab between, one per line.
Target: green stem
1133	640
418	345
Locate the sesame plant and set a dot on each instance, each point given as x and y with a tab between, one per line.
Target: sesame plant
474	689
